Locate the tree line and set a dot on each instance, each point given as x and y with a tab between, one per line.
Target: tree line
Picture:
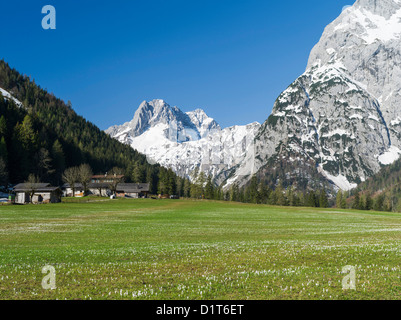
256	192
380	192
261	193
363	200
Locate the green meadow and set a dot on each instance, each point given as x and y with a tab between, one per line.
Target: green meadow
187	249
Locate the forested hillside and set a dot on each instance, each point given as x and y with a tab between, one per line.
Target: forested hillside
381	192
46	136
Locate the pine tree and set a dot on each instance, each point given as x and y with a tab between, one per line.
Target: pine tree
357	201
344	201
3	173
264	193
200	182
3	149
368	202
387	203
57	154
179	186
171	186
219	195
234	193
28	135
209	188
339	199
150	179
137	175
301	199
273	199
243	197
295	200
323	199
280	195
163	181
44	164
187	188
3	126
379	202
290	196
312	200
253	192
362	201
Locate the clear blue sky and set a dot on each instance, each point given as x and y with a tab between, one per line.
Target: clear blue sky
231	58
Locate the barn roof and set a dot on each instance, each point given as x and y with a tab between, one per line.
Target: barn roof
133	187
67	185
96	185
26	185
38	187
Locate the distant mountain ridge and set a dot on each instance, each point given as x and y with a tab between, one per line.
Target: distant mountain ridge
186	142
189	126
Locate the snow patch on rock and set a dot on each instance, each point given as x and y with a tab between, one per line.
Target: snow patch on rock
390	156
7	95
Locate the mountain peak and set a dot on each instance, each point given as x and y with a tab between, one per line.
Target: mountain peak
199	112
358	34
203	122
176	125
384	8
185	141
155	104
367	21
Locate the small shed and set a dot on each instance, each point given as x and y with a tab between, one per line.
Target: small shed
42	193
67	190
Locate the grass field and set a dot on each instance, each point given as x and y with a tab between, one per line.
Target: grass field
183	249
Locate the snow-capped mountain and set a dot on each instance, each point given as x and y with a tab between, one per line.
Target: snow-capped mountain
341	119
157	113
186	141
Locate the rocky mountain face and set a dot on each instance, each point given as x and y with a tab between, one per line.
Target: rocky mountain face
186	142
202	122
340	121
157	113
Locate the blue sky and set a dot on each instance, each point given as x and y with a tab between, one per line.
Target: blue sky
231	58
